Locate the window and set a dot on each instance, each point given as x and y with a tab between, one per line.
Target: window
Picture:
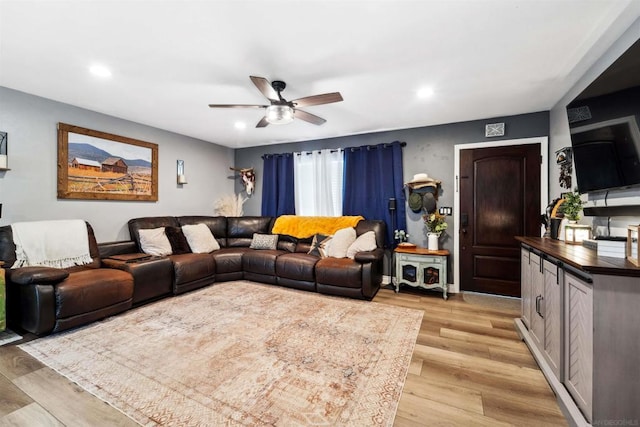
318	177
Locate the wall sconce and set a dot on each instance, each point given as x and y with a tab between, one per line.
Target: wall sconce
180	167
575	233
4	148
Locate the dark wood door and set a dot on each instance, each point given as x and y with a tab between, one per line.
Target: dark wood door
499	199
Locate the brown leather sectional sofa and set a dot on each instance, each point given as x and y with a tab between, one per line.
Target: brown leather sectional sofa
43	300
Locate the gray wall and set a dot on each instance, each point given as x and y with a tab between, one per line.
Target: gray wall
28	191
560	136
429	150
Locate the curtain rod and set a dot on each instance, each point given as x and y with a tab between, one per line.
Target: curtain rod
368	147
319	151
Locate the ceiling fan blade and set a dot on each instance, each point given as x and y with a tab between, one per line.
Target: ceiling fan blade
264	86
262	123
325	98
308	117
237	106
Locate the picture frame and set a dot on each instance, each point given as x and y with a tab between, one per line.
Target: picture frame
95	165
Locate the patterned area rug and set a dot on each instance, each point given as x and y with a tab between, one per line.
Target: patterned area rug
242	353
8	336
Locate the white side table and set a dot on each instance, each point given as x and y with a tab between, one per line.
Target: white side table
421	268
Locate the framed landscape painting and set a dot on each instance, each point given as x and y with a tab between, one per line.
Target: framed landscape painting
102	166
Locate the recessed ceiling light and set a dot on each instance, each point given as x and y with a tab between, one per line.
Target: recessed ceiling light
240	125
100	71
425	92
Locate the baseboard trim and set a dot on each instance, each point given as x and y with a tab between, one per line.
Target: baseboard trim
568	407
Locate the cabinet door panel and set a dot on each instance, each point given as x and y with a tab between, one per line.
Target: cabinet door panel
552	316
579	342
537	295
525	281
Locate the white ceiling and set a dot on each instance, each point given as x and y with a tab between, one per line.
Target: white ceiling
170	59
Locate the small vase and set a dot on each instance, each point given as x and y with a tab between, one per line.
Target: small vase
432	241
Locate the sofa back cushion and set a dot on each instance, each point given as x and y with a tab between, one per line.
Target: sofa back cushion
7	248
217	225
149	222
240	229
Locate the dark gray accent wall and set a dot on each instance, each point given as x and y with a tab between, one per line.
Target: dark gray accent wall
429	150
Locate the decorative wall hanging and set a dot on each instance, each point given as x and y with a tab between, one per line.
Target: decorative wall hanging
103	166
423	193
248	177
563	159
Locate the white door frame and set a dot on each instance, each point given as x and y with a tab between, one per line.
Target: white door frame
544	188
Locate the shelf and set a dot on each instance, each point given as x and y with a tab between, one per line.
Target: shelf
615	210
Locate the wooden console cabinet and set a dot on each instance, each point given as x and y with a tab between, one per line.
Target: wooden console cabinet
422	268
580	318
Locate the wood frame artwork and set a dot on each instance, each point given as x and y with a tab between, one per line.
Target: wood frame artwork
96	165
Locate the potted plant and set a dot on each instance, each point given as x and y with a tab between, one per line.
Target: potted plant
572	205
435	224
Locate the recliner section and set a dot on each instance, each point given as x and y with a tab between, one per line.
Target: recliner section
42	300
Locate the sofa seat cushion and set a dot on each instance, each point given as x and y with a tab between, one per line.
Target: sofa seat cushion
343	272
297	266
261	261
91	290
229	260
190	267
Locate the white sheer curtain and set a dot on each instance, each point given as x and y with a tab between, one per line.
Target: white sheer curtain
318	182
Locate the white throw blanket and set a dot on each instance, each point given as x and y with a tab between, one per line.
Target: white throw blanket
59	244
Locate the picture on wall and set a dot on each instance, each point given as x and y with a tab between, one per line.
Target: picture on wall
102	166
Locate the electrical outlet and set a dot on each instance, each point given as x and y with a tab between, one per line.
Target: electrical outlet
445	210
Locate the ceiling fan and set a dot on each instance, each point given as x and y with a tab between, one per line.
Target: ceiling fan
281	111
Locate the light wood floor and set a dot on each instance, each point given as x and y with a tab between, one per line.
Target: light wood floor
469	368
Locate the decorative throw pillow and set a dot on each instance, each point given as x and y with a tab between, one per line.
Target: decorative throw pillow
178	241
319	245
364	242
154	241
341	241
200	238
264	241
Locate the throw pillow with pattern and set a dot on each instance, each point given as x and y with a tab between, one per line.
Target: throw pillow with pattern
320	245
264	241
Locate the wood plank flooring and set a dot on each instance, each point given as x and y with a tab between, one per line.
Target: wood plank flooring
468	368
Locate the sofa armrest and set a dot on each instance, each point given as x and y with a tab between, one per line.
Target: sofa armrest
369	256
117	248
37	275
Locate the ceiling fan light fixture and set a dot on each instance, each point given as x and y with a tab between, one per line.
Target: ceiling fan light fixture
279	114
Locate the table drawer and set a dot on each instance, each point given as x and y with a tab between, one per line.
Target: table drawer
421	258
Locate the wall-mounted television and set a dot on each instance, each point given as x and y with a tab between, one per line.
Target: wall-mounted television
604	124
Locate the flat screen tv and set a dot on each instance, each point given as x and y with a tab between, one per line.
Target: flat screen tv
604	124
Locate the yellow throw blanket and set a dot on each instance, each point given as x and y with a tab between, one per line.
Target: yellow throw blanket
307	226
